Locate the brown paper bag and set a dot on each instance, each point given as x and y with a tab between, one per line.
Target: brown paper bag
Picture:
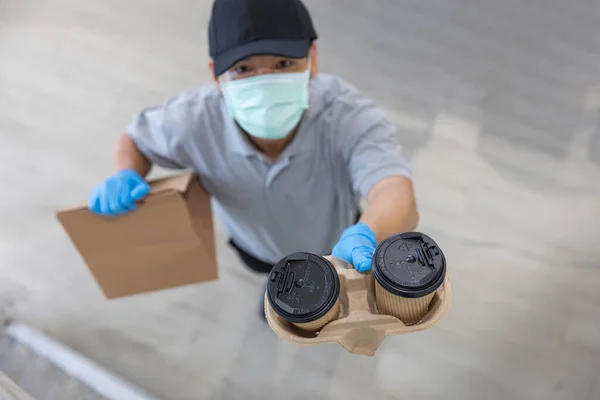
168	241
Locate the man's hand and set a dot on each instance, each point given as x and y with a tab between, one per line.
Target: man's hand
356	246
118	194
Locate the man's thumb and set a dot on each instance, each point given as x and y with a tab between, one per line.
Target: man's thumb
140	191
362	259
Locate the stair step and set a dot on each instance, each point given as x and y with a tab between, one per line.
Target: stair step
37	376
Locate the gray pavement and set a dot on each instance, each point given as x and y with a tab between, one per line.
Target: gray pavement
38	376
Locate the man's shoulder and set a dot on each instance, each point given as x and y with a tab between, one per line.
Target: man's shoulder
333	94
205	99
192	114
335	100
329	89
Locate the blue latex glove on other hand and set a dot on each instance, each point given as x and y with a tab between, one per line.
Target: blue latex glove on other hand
118	194
356	246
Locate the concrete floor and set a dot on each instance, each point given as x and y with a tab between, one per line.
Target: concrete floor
498	105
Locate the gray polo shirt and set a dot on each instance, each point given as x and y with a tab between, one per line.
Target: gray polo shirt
305	199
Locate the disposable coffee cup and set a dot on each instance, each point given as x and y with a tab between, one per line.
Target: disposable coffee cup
304	289
408	268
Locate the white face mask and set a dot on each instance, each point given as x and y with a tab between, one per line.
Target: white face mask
268	106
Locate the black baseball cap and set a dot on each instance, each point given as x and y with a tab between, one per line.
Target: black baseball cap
243	28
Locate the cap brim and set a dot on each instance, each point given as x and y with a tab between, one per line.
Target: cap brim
283	48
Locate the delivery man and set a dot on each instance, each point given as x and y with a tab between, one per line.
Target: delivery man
285	153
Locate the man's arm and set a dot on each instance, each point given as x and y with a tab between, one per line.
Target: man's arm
391	207
119	193
148	141
128	156
380	173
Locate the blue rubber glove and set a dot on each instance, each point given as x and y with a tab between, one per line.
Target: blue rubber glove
356	246
118	194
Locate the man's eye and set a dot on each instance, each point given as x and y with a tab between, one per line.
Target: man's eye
284	64
242	69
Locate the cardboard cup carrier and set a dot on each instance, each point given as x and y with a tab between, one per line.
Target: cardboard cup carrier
315	300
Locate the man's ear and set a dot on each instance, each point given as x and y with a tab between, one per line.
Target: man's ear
314	60
211	68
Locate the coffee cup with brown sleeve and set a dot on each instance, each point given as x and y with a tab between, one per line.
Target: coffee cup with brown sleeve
304	289
408	269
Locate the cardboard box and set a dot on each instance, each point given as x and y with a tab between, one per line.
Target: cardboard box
168	241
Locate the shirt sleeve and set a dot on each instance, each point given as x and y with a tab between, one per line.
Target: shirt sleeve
370	145
157	132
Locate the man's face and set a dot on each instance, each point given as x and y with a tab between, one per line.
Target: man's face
267	64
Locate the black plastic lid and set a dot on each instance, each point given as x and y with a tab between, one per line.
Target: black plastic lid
303	287
409	265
